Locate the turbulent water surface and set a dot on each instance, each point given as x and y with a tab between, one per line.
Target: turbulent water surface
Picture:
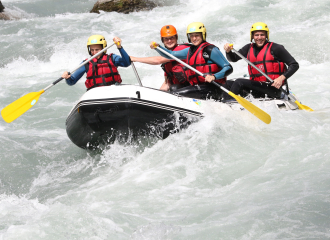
228	176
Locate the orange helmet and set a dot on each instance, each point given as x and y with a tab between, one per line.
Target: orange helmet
168	31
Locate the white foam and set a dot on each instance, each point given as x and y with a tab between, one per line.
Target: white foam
228	175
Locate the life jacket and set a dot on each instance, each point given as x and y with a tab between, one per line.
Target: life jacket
168	67
198	62
101	72
266	63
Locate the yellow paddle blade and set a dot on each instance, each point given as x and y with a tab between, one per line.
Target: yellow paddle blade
263	116
303	107
20	106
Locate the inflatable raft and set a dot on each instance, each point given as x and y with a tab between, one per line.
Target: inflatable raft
103	114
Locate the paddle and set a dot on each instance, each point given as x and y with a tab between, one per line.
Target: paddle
263	116
21	105
289	95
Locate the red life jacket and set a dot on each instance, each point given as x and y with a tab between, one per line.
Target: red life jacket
168	67
198	62
266	63
101	72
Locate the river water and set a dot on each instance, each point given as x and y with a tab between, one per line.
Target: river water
228	176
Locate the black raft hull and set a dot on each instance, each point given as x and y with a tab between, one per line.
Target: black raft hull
99	118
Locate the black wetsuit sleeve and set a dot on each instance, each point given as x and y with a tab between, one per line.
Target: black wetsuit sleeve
281	54
233	57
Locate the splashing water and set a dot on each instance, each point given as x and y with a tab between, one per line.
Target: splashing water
228	176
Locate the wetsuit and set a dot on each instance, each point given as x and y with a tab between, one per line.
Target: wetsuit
122	61
215	56
212	55
259	89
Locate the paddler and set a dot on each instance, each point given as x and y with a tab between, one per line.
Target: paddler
270	57
102	70
169	37
203	56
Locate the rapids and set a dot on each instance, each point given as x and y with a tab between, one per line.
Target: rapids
229	176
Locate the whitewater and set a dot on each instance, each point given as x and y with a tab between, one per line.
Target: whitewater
228	176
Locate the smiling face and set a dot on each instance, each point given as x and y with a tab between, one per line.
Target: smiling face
196	38
259	37
170	42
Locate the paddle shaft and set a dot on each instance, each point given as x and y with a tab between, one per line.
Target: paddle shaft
264	74
191	68
136	74
82	64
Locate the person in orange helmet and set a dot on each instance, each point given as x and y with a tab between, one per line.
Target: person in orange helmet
169	37
205	58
